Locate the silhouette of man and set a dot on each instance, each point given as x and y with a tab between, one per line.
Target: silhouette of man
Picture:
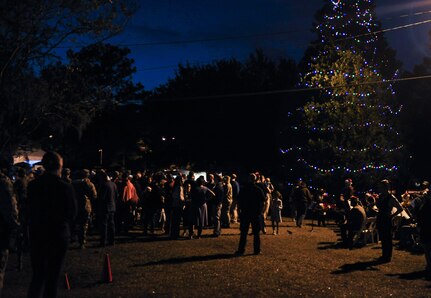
52	211
386	203
250	205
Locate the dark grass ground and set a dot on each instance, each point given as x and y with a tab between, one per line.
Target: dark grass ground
301	263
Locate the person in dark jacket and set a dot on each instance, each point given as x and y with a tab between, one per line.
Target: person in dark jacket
107	196
154	201
250	205
301	198
200	194
187	212
385	203
52	211
177	206
8	217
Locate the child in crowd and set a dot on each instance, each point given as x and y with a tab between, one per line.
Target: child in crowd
276	206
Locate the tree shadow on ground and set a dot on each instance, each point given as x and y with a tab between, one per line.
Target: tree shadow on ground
410	275
358	266
183	260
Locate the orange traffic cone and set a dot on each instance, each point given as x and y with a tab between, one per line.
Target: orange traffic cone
107	272
66	282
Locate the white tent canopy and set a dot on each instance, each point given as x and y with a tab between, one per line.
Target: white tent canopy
28	156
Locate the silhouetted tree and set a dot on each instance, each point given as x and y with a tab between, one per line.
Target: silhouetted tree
31	32
228	130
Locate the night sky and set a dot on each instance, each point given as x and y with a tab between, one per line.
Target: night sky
160	32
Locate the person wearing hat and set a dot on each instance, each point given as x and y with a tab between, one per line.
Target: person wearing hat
385	203
8	217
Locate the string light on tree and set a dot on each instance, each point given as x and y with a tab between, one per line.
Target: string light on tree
386	109
361	169
350	127
364	149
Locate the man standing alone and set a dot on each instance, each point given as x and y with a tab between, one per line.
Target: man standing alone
386	203
302	198
250	205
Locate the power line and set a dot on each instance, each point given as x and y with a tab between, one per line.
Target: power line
285	91
156	43
415	14
257	35
386	30
341	39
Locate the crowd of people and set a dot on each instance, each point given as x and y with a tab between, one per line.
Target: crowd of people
63	205
407	218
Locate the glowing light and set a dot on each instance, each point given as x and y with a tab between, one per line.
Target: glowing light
360	169
345	67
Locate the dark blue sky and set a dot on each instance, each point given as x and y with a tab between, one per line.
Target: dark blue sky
165	21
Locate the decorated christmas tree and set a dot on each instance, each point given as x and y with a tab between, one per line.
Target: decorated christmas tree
347	129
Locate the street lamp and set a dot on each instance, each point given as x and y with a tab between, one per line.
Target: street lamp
101	156
50	142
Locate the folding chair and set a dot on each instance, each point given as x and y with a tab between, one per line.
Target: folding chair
370	231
